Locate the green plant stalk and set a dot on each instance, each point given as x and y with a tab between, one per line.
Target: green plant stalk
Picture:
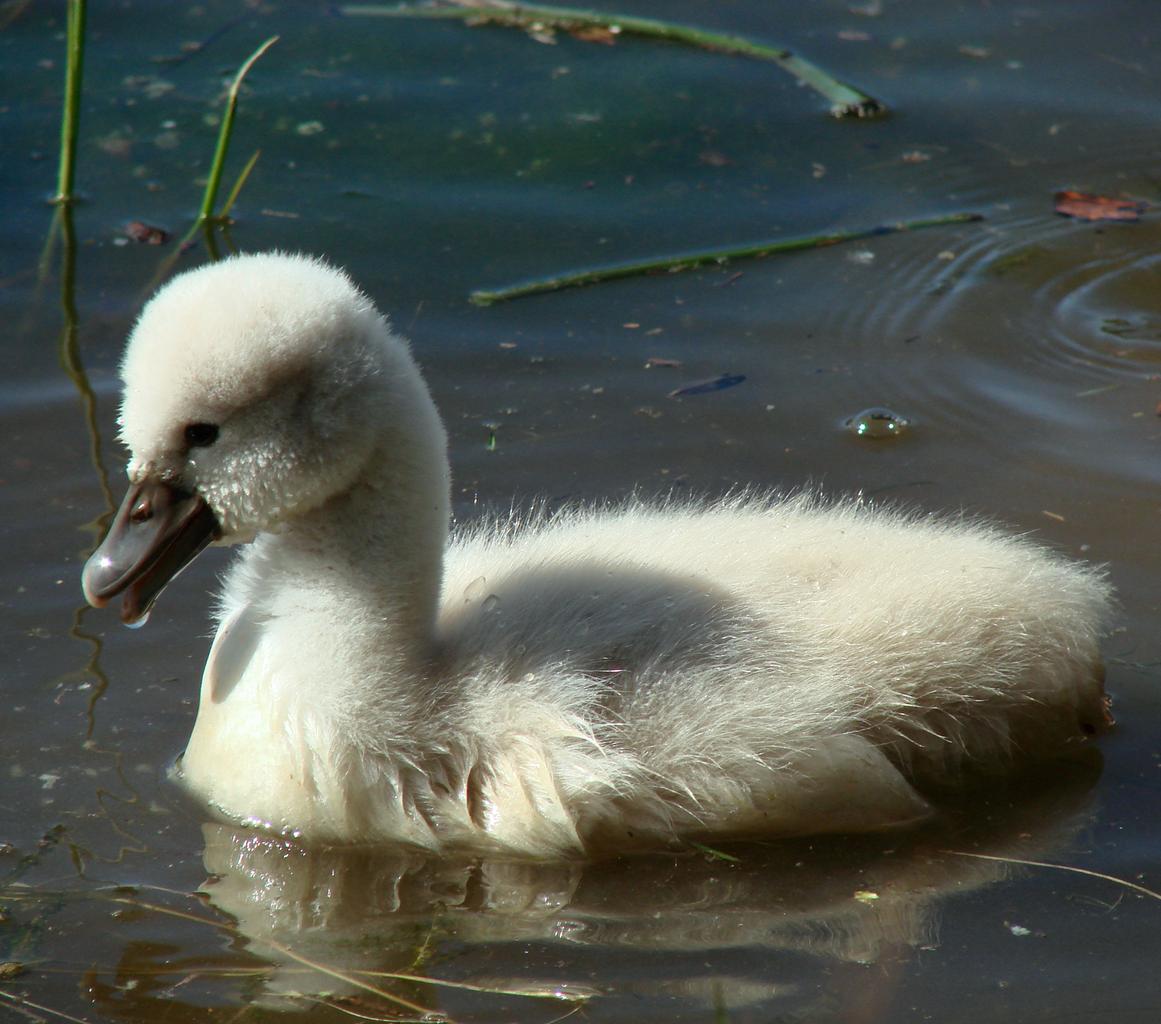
205	226
232	198
71	116
709	851
701	257
223	146
208	226
208	229
845	100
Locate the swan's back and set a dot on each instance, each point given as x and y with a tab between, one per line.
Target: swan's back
716	643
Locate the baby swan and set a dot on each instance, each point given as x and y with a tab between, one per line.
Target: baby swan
590	680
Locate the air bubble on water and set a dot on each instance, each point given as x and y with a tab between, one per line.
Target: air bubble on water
878	423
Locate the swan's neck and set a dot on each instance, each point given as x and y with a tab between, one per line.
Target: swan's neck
345	594
367	564
372	557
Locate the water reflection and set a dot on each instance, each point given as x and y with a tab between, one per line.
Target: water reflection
328	923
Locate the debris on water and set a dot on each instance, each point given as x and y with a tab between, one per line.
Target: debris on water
541	33
605	35
146	234
116	144
653	362
1018	930
1017	260
736	275
877	423
866	896
713	158
1089	392
1088	206
152	86
704	387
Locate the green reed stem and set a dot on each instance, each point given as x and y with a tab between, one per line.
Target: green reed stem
70	123
845	100
688	260
240	181
219	161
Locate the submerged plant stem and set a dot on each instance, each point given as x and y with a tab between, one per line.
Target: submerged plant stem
71	115
845	100
33	1011
223	146
1060	867
701	257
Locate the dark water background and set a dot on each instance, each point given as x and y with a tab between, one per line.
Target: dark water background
432	158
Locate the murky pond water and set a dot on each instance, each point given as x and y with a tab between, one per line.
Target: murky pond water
431	158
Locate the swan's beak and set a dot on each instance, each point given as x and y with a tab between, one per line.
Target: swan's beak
157	532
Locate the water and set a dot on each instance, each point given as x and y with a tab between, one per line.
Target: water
431	159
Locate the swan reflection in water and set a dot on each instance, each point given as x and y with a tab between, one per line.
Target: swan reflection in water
786	926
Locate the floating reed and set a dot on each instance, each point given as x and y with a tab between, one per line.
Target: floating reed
845	100
701	257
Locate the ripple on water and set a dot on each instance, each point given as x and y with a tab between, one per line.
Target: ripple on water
1103	312
1039	334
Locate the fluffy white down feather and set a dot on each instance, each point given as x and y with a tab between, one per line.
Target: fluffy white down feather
598	678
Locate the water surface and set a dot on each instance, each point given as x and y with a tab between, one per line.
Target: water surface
430	159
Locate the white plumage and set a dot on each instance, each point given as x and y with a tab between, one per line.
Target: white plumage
599	678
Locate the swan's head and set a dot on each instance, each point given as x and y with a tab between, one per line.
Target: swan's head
254	391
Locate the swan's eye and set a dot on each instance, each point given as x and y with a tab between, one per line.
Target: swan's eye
200	435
